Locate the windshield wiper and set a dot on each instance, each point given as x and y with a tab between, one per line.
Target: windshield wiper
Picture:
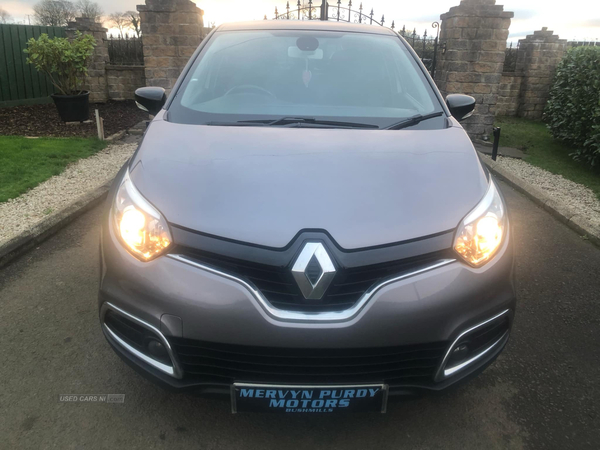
413	121
235	124
308	121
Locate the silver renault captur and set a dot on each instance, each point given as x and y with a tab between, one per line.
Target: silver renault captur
306	227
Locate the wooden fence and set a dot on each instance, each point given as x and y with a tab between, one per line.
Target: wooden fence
20	83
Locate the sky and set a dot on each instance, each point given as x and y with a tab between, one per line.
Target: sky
572	20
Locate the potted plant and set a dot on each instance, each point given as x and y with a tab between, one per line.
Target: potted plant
65	62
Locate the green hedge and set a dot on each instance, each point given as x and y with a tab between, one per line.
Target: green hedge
573	110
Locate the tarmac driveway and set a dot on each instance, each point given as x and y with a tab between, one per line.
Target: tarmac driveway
543	392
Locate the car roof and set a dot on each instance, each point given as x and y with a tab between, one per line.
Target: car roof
318	25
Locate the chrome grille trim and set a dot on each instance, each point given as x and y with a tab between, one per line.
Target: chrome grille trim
298	316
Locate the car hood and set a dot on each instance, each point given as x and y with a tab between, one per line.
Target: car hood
262	185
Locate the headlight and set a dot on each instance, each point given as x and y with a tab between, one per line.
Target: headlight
142	229
480	234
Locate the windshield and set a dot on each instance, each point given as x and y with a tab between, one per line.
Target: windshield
270	75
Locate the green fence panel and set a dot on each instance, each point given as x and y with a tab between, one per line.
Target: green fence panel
4	87
21	83
10	64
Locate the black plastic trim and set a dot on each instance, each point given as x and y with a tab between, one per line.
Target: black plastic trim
281	257
223	389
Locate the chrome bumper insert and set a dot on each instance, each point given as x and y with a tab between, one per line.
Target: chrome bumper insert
446	369
173	370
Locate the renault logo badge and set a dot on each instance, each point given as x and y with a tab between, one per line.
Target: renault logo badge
313	270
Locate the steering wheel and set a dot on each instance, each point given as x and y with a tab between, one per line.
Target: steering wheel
249	87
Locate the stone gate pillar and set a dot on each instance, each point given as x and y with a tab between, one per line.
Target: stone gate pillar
473	38
96	80
171	32
539	54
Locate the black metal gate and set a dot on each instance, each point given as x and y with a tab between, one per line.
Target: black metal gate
426	47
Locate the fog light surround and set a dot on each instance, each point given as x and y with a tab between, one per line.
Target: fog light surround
474	354
169	365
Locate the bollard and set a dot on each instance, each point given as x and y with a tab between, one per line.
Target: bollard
496	142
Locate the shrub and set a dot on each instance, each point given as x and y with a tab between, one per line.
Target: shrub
573	110
64	61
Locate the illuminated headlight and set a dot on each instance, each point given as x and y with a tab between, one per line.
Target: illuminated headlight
142	229
480	234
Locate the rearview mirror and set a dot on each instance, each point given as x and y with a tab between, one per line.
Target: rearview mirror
295	52
461	106
150	99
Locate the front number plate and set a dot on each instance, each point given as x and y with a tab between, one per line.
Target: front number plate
284	399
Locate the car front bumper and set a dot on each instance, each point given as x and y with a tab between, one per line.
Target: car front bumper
184	304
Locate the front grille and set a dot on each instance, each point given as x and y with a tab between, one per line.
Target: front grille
281	290
223	363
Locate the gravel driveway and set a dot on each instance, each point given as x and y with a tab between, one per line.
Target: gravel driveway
578	197
59	191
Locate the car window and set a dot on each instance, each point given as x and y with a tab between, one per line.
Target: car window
248	75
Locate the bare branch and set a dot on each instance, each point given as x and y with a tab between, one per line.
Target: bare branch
120	21
55	13
5	17
89	9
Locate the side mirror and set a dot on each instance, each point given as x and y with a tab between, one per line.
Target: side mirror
150	99
461	106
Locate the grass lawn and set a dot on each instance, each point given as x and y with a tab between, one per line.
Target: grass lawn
543	151
25	163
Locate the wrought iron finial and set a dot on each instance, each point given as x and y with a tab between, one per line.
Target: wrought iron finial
436	25
393	24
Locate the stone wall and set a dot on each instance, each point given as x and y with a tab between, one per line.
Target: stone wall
124	80
539	54
96	81
172	31
509	92
474	35
106	81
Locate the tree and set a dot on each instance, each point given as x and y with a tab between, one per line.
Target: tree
5	17
119	20
55	13
133	20
89	9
